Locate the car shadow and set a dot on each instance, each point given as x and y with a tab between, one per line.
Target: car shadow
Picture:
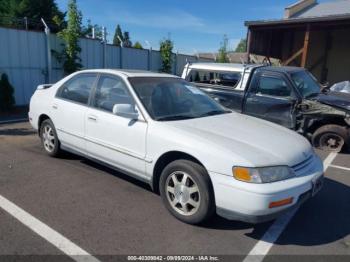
322	220
17	132
116	173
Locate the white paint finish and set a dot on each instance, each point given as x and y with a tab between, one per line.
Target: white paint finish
49	234
218	142
116	140
263	246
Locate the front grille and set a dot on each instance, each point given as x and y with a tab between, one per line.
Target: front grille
303	167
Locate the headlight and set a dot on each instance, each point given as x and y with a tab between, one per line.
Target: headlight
262	174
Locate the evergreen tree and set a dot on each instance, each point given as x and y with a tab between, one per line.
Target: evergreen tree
87	30
223	51
118	32
166	50
33	9
242	46
71	35
7	100
126	40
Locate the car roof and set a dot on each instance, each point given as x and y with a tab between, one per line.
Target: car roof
284	69
224	66
129	72
241	67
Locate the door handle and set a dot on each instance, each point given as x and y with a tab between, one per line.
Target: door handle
54	106
92	118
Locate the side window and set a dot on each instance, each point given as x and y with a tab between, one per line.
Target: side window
78	88
227	79
111	91
273	86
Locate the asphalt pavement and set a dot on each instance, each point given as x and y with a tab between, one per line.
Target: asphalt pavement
106	213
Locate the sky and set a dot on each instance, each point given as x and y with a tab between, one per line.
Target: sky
193	25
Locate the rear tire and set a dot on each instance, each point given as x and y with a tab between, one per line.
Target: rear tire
186	191
49	139
330	138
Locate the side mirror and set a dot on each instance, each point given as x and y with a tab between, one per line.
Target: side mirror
126	110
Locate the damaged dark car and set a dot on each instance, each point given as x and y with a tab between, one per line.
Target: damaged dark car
289	96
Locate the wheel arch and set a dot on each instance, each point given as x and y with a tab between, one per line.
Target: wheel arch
41	119
340	121
167	158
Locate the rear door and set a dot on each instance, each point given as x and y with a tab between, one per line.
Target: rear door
69	109
220	85
271	97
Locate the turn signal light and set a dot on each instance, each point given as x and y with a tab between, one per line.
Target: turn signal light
282	202
241	173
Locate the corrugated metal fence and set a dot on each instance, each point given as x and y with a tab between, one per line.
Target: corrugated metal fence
23	57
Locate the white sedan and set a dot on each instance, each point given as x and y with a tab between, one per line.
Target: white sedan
200	157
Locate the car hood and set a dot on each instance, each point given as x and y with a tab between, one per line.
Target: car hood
336	99
254	141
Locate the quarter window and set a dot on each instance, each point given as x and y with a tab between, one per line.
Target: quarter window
273	86
78	88
111	91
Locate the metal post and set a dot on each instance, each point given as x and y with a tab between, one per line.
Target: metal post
26	22
150	59
93	32
48	47
121	52
176	56
104	48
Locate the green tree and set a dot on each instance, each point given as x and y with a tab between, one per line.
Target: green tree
126	40
118	32
166	50
87	30
223	51
70	36
242	46
33	9
138	45
7	100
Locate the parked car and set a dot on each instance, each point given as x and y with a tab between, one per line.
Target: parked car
161	129
288	96
343	87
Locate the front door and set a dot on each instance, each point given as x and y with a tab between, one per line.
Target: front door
116	140
271	98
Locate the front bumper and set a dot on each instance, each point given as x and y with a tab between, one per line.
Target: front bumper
236	200
255	219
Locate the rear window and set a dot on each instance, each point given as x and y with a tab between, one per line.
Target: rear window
222	78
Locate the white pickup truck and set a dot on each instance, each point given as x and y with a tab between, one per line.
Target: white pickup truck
161	129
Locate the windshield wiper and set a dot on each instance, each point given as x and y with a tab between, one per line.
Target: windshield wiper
215	112
174	117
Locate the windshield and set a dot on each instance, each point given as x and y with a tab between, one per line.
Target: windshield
167	99
306	83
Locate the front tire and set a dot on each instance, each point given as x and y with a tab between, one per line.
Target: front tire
186	191
330	138
49	138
